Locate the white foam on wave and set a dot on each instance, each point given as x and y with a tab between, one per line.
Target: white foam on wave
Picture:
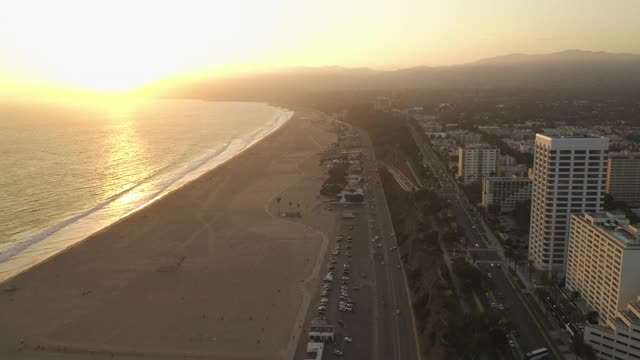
37	247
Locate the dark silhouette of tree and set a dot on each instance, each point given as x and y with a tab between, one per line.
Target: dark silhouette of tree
522	212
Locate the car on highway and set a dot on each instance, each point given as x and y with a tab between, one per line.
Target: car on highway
348	339
337	352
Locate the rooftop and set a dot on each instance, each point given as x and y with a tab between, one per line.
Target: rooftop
558	136
478	146
625	154
615	223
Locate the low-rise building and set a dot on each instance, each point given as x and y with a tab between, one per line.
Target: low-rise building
604	261
503	193
321	331
314	350
619	339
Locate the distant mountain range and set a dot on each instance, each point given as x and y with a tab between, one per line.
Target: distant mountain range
566	69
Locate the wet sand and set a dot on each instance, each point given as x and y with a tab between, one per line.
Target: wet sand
210	271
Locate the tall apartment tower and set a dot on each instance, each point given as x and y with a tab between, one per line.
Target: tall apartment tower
604	261
623	177
569	177
476	162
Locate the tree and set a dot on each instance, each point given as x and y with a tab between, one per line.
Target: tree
592	317
472	278
522	212
519	258
508	253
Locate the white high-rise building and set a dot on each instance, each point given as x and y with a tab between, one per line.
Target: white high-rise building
569	177
476	162
604	261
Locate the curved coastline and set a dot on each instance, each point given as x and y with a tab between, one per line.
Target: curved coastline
45	244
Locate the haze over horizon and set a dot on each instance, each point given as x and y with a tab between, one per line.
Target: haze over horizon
115	46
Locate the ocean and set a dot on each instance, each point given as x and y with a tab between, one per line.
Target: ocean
68	170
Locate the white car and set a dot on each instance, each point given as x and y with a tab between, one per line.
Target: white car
348	339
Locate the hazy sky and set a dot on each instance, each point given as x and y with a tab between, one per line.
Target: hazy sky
120	44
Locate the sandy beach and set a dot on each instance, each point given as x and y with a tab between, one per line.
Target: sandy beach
209	271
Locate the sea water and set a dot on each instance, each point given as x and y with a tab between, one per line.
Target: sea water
68	170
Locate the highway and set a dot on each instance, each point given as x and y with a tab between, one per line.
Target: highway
396	322
485	250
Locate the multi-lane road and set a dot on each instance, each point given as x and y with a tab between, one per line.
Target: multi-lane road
486	250
381	325
396	325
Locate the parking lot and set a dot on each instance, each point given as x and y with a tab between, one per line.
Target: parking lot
345	297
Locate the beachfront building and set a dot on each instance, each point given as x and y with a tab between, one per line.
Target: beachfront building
477	161
623	177
322	332
314	350
604	261
620	338
569	176
503	193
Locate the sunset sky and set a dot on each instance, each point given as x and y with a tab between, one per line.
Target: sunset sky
118	45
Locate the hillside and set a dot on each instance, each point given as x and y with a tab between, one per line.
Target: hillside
567	69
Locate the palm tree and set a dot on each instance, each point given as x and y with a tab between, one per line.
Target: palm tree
278	200
508	253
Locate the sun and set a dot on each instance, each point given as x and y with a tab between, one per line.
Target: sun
109	46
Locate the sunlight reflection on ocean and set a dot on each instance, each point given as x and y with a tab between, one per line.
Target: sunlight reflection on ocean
67	171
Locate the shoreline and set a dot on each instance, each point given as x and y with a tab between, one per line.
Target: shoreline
206	271
20	270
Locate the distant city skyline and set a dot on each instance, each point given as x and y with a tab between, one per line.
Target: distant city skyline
119	45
